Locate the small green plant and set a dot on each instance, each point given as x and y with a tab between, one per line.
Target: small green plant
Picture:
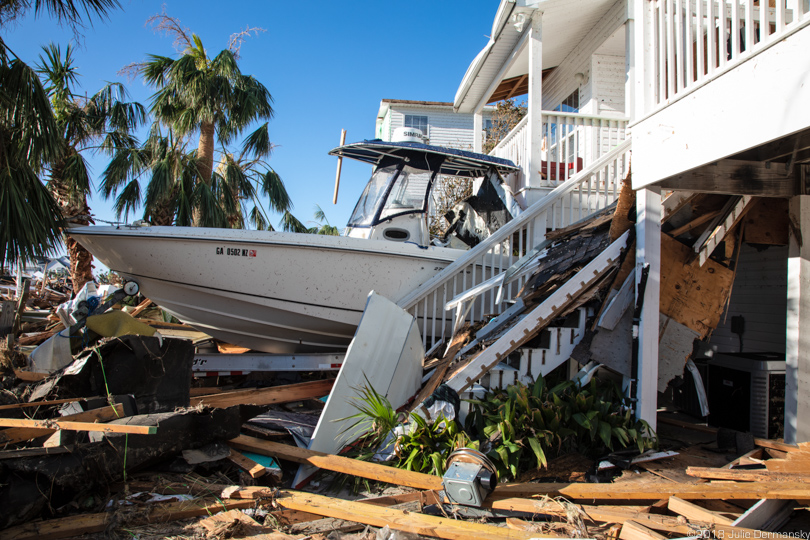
524	426
424	445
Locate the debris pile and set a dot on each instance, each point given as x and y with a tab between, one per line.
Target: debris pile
120	437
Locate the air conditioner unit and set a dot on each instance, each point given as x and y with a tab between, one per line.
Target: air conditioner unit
746	392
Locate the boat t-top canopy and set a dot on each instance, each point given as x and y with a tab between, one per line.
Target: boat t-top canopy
453	162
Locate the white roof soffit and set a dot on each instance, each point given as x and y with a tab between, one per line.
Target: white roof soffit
565	24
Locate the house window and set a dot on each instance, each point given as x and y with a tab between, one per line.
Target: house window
419	122
570	104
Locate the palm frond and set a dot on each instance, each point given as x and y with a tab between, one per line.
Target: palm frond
273	187
290	223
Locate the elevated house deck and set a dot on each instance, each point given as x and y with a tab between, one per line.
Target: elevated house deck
706	97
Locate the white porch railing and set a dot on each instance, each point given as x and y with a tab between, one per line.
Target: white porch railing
571	142
584	193
694	41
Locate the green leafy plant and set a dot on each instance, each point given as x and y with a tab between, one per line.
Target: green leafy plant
424	445
525	426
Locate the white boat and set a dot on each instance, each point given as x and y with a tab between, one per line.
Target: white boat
281	292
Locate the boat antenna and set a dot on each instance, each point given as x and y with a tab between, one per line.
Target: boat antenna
340	164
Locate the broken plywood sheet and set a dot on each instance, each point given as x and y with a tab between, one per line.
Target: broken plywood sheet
767	222
692	295
386	353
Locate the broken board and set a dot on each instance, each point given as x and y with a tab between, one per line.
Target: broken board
385	354
692	295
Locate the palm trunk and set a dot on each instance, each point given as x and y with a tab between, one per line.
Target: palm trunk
205	156
81	261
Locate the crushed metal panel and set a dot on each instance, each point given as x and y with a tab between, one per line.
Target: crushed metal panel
387	354
675	344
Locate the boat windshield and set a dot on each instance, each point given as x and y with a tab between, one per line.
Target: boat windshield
388	195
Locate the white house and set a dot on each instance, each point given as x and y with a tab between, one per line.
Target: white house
705	97
438	121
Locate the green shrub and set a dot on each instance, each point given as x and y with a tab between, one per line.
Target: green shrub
528	425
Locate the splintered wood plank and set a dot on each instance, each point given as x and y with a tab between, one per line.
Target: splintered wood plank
334	463
597	514
41	403
692	295
692	511
632	530
78	426
438	374
255	470
140	308
92	523
655	491
102	414
747	475
267	396
378	516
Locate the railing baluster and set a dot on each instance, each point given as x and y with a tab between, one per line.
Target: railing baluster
749	26
764	21
690	38
722	43
735	29
701	48
711	33
677	14
780	16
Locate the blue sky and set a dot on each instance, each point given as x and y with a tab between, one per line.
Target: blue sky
326	64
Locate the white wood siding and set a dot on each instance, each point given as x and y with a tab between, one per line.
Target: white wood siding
607	83
759	294
560	83
445	127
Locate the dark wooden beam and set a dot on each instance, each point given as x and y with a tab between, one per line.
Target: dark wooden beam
737	177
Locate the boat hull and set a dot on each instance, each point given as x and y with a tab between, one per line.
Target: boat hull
269	291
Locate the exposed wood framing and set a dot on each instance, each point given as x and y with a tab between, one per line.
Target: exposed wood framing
716	235
737	177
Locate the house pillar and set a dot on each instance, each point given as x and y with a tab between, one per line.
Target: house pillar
478	130
640	58
648	262
531	171
797	345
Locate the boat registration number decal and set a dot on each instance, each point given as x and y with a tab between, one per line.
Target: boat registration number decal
236	252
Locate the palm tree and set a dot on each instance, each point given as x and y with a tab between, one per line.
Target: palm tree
172	191
104	123
212	99
30	220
